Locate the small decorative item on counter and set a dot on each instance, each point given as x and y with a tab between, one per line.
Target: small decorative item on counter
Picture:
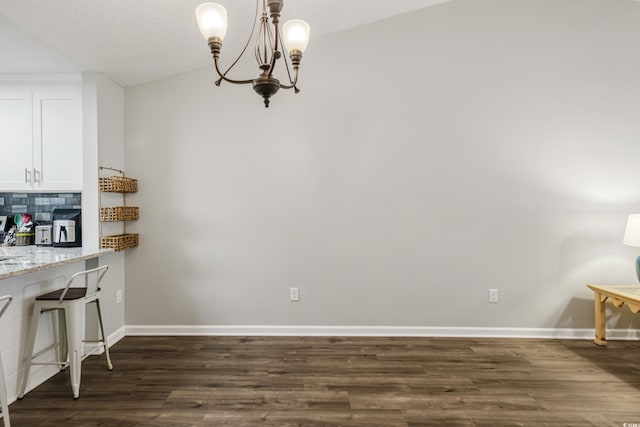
24	233
24	223
10	238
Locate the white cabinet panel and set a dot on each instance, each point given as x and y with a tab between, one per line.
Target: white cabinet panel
57	140
15	140
41	127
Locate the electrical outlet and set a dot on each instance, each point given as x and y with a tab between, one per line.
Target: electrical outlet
494	295
294	294
119	296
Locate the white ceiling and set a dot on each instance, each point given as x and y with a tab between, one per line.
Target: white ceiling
135	41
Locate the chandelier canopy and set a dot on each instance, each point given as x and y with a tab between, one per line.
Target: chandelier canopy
268	40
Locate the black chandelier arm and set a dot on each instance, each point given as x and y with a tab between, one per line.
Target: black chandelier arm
225	78
294	82
295	69
253	29
216	53
292	86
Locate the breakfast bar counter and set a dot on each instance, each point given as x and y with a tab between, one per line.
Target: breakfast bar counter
18	260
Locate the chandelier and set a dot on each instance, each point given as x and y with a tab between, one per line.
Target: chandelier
268	40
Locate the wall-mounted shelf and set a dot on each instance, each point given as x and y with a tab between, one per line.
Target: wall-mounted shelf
119	242
124	185
117	184
119	213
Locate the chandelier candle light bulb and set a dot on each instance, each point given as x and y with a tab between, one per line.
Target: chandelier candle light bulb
296	38
268	41
212	20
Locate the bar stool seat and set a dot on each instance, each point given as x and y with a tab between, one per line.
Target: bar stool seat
72	294
4	405
68	307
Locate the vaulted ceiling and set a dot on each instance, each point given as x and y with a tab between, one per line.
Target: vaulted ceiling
135	41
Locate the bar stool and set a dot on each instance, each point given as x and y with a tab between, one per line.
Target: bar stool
3	387
68	303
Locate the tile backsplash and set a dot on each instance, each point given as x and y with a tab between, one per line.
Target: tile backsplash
40	205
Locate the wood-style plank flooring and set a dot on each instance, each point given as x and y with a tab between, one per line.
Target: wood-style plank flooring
320	381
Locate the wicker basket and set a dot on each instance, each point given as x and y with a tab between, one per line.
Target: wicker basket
118	184
119	213
119	242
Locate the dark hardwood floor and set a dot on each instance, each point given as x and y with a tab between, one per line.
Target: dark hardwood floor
305	381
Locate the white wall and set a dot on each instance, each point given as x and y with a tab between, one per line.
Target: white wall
430	157
103	121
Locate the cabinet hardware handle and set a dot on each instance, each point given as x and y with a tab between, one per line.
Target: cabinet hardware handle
35	176
27	176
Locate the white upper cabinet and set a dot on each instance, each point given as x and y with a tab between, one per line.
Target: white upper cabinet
57	139
41	126
16	135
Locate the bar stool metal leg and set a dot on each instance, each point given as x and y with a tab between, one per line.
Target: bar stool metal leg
104	337
3	398
4	404
75	335
60	336
28	349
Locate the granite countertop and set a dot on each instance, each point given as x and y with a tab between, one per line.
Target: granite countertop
18	260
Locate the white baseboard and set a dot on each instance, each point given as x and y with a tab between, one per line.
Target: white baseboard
116	336
377	331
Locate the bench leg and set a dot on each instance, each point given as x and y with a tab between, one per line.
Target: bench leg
601	332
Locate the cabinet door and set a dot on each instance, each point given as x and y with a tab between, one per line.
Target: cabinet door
57	139
15	140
